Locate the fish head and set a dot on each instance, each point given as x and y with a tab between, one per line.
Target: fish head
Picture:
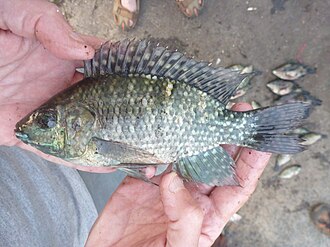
43	130
62	130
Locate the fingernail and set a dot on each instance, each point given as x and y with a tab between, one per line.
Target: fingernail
176	184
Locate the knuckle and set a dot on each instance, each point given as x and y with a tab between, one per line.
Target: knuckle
52	9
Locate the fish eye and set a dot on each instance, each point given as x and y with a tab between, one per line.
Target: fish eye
46	119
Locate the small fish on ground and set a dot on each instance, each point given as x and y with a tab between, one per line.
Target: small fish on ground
290	171
236	67
247	69
230	104
293	71
246	82
255	105
299	95
142	105
239	93
281	87
281	160
310	138
300	131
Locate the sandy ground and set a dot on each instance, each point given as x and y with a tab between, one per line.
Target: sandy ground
265	34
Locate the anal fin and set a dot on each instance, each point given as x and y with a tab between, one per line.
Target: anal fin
213	167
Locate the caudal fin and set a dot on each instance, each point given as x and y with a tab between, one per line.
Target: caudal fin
273	126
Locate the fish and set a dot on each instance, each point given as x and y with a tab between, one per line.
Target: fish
236	67
293	71
255	104
239	93
281	160
299	95
290	171
310	138
230	104
301	131
281	87
141	104
246	82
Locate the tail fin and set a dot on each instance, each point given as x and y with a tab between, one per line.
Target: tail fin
273	126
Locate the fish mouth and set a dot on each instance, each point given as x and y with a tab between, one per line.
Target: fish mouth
22	136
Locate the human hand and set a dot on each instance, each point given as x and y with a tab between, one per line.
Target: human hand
38	56
141	214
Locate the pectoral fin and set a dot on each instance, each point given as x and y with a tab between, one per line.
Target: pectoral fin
214	167
101	152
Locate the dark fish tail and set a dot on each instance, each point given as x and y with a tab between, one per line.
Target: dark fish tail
273	125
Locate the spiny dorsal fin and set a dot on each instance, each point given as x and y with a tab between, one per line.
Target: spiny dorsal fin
146	57
213	167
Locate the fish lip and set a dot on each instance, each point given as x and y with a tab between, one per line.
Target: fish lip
21	135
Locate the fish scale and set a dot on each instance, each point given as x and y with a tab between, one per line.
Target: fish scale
141	104
196	117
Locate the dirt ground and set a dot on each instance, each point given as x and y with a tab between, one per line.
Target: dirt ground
265	34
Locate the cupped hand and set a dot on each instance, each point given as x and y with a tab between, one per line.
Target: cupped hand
176	214
38	56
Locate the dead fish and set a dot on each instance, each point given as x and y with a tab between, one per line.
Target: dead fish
255	104
281	160
290	171
236	67
230	104
239	93
246	82
281	87
310	138
247	70
141	104
293	71
244	70
299	95
300	131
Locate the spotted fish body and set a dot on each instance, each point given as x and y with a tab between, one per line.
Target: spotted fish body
141	105
152	113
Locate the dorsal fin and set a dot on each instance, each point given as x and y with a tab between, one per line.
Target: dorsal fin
146	57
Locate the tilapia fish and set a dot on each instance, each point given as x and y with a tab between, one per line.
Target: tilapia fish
141	104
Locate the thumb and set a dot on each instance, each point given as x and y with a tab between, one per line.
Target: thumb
184	214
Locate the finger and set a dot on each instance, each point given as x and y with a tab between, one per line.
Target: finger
185	215
229	199
76	77
95	42
43	20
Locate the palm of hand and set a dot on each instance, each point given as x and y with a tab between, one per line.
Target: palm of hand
141	214
29	76
138	218
138	215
